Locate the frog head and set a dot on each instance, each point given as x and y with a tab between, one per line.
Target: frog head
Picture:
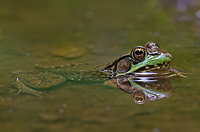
142	59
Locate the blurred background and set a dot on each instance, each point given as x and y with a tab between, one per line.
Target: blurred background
48	33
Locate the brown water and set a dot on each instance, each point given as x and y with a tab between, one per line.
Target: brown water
31	32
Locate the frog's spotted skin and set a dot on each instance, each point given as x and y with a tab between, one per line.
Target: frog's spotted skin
149	60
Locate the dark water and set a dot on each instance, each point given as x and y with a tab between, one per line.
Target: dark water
37	32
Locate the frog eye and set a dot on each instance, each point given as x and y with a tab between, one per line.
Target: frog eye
124	65
139	53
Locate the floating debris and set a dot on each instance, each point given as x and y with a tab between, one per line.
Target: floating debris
69	51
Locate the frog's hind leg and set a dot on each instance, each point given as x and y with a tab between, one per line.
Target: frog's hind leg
22	88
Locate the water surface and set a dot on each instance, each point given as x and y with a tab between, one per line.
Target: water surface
30	32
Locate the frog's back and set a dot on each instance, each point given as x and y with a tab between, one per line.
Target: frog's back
82	72
76	72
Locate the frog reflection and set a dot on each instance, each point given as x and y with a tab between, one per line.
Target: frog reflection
143	88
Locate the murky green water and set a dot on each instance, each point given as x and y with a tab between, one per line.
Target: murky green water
31	32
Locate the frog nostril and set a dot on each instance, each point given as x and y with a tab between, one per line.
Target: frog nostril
169	55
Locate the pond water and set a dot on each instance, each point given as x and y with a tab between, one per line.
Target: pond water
50	33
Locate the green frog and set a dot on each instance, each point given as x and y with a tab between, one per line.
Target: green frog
141	61
144	61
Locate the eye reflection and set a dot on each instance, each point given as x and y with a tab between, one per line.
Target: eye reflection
138	97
